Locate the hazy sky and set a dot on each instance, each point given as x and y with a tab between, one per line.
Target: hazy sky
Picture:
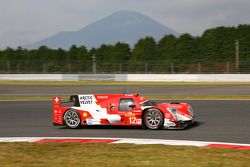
27	21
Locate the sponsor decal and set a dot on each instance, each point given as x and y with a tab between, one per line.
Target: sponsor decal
56	100
84	114
167	115
89	121
129	115
85	102
57	112
169	123
86	99
128	95
137	110
102	97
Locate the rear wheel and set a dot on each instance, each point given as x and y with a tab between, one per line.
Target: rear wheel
153	119
72	119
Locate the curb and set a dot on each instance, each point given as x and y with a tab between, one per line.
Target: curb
126	140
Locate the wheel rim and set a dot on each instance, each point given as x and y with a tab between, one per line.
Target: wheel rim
153	118
72	119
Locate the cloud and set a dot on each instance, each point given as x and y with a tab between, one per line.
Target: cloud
27	21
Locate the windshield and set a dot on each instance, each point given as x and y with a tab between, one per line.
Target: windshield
148	103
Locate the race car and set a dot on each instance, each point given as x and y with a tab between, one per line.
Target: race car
120	110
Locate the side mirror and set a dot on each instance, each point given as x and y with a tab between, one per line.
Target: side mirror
132	105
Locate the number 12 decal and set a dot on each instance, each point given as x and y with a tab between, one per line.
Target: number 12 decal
133	120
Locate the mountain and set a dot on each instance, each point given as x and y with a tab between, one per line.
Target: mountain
122	26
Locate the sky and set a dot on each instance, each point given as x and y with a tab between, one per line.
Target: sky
27	21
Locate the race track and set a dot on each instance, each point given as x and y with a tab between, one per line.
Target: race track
221	121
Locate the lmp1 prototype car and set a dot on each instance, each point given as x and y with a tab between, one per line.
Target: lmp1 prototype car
121	110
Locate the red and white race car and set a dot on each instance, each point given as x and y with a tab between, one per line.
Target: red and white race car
121	110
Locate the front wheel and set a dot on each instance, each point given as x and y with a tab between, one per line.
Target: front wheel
153	119
72	119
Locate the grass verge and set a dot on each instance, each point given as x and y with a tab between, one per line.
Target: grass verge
113	83
127	155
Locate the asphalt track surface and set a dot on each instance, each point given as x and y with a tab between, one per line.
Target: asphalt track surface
220	121
167	90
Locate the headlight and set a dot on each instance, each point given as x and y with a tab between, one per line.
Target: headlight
191	111
173	111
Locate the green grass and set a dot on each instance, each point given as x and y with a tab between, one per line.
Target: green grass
113	83
120	155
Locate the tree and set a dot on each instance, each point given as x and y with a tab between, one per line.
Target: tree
145	50
121	52
167	47
144	55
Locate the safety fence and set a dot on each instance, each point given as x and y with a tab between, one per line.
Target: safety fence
103	67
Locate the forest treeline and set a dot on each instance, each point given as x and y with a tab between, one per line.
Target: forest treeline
213	51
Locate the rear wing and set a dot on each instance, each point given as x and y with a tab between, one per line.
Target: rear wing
75	99
57	101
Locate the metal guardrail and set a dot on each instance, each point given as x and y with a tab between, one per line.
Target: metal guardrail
129	77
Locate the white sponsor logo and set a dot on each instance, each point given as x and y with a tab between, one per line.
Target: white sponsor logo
56	99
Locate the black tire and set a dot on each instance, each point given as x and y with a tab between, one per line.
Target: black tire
72	119
153	119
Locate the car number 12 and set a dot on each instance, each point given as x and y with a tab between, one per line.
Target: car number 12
133	120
